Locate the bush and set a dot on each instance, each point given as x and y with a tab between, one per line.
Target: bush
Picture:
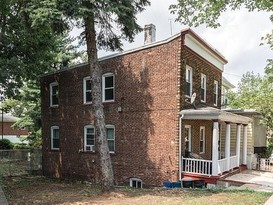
21	146
5	144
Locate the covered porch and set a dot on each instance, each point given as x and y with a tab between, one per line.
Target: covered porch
204	125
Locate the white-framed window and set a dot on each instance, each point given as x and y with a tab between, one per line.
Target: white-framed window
188	81
215	92
202	140
136	183
55	138
110	134
108	87
87	95
224	99
54	94
188	138
203	87
89	138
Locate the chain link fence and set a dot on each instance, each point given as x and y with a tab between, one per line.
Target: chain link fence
20	162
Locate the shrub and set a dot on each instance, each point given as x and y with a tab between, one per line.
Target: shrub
5	144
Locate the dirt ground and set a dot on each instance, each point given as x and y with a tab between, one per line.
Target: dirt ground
44	191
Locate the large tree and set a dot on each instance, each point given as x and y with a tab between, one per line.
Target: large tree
105	23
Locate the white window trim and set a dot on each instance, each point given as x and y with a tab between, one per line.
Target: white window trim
188	68
103	87
112	126
189	127
84	90
204	137
137	180
51	94
51	137
85	138
215	84
203	76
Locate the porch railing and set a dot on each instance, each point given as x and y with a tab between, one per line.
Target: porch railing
223	166
204	167
233	161
197	166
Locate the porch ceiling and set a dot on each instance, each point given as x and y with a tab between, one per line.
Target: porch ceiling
210	113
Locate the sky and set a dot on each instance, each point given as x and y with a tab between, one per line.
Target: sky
238	38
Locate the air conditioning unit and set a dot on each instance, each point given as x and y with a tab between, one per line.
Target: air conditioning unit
90	148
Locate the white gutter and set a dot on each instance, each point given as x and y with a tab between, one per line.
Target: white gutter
180	148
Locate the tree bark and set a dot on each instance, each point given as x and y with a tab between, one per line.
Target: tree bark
97	106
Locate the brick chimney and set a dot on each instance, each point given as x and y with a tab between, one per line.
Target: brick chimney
149	34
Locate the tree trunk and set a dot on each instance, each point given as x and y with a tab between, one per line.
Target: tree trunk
96	75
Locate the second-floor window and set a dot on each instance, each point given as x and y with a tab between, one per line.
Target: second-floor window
188	81
87	95
203	87
89	138
54	94
215	92
108	87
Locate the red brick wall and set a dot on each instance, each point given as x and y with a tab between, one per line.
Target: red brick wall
8	130
146	131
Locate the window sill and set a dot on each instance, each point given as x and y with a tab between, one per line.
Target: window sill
55	149
108	102
87	103
54	106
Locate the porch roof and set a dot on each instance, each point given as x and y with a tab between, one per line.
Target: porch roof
210	113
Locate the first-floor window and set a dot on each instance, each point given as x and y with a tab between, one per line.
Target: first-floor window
188	137
202	140
89	138
110	132
55	138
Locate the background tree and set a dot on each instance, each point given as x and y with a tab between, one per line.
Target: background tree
105	23
28	50
256	92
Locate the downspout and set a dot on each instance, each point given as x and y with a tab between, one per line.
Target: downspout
180	145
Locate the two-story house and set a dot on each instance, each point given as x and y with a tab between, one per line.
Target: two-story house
146	94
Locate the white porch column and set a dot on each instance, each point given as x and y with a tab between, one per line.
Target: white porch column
245	145
227	144
238	143
215	155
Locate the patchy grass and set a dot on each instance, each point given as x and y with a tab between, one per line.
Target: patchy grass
41	190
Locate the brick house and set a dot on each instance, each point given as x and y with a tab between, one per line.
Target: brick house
6	130
150	121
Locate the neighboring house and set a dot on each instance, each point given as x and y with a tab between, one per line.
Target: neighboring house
12	134
150	122
257	140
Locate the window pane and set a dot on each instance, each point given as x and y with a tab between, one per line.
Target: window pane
203	94
56	143
55	90
109	82
188	89
110	133
55	100
111	145
55	134
88	84
88	96
109	94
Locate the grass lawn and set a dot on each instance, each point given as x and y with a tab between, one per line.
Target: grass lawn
41	190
